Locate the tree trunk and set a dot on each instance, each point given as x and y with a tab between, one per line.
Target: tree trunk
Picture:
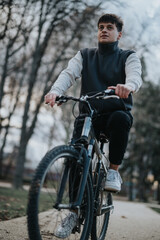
4	76
142	187
19	168
8	126
130	197
158	192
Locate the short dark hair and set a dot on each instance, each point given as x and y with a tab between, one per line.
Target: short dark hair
112	18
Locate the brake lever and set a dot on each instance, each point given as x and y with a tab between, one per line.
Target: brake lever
109	91
111	96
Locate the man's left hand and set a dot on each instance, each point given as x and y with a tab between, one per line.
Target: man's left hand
121	90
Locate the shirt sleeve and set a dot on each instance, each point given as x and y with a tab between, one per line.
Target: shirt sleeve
133	72
69	75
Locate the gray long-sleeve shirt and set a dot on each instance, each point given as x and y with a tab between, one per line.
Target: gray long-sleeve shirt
73	72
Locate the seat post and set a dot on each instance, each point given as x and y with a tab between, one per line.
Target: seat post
103	139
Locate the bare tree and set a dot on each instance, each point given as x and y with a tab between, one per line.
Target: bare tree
12	48
10	51
7	19
59	13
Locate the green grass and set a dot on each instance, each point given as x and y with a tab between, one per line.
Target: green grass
156	209
13	203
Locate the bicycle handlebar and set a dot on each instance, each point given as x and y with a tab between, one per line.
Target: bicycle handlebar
108	93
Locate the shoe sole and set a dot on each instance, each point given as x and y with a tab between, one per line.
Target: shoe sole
111	190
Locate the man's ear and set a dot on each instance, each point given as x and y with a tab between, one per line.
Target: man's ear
119	35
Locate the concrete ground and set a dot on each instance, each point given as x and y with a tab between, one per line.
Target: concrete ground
130	221
133	221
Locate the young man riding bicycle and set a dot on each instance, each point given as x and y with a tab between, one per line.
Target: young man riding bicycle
106	66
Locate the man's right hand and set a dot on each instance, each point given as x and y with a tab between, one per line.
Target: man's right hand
50	99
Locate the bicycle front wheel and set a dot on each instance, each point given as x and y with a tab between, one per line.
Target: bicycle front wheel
52	175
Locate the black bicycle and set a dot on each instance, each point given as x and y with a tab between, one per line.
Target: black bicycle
70	177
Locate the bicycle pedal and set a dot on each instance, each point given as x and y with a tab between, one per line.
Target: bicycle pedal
76	229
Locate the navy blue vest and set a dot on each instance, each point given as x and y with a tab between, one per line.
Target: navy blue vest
103	67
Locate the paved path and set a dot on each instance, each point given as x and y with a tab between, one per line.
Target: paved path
133	221
130	221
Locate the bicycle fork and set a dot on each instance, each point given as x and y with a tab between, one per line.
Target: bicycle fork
82	184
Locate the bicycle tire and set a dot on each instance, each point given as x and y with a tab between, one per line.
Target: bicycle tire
41	226
100	222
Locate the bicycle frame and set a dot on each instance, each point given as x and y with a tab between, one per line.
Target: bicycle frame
84	155
87	139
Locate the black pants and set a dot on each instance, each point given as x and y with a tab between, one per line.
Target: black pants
116	125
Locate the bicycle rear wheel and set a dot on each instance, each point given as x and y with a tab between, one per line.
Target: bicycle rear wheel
103	207
43	217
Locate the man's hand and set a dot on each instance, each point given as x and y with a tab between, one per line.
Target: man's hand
50	99
121	90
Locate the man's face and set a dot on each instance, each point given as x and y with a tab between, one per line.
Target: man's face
108	33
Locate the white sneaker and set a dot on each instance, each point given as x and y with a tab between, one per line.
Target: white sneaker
67	225
113	181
